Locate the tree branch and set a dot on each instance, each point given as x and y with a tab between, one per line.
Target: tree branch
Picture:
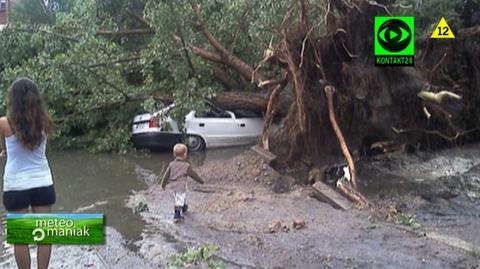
130	59
271	108
240	22
231	60
104	81
140	18
224	79
329	90
140	31
44	8
207	55
32	30
182	39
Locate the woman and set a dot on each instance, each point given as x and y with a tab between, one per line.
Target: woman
27	180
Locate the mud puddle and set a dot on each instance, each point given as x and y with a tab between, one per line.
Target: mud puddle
101	183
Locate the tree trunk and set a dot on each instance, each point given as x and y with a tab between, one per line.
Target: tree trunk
242	100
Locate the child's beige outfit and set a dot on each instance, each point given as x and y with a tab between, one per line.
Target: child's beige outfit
176	177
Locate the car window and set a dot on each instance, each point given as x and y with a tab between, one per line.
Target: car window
240	114
213	113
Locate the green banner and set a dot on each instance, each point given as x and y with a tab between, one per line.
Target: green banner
55	228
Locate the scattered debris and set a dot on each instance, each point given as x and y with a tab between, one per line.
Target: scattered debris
275	227
244	196
298	224
315	175
140	207
255	241
85	208
266	155
197	256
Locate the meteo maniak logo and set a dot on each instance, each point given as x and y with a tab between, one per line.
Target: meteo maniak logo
394	40
55	228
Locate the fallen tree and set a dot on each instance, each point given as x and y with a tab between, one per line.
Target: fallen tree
372	104
160	51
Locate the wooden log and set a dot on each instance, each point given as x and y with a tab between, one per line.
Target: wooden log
326	194
351	193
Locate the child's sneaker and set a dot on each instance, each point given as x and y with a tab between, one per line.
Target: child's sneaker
177	217
185	208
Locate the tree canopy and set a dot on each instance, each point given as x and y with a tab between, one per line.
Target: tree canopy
99	63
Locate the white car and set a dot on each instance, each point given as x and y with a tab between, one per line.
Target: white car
214	128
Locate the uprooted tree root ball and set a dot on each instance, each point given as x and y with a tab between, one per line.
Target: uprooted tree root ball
432	104
373	103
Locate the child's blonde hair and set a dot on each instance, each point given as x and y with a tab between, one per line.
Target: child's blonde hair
180	151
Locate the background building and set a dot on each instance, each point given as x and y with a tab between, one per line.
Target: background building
4	7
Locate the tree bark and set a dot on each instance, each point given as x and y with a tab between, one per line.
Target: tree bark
271	108
227	82
242	100
140	31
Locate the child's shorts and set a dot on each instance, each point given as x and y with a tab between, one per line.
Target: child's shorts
180	198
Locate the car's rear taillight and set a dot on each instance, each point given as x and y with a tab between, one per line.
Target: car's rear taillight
153	123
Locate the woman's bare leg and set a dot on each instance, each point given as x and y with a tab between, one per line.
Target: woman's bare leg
22	253
43	251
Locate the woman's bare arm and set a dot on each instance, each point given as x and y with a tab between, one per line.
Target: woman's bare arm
3	122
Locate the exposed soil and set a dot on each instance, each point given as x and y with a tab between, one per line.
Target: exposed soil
248	210
237	206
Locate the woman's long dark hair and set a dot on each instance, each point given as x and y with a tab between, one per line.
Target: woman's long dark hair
27	113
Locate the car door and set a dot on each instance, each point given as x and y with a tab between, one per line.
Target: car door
217	128
248	130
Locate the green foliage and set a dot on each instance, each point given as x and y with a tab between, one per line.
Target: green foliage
458	13
196	256
408	220
95	83
33	12
95	80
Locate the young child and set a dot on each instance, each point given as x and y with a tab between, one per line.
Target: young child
176	177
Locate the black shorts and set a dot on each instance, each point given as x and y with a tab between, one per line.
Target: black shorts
16	200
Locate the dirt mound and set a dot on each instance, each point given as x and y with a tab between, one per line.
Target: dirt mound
247	169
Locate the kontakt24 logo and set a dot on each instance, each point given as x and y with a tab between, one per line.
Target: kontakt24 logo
394	41
55	228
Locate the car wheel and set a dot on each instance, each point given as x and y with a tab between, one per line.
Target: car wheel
194	143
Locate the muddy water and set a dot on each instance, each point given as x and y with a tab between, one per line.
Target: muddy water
399	173
102	182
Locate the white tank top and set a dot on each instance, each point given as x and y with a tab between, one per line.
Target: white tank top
25	169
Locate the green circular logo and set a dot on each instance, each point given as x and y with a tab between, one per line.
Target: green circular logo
394	35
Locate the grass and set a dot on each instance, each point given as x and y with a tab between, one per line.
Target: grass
20	231
476	254
196	256
408	220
